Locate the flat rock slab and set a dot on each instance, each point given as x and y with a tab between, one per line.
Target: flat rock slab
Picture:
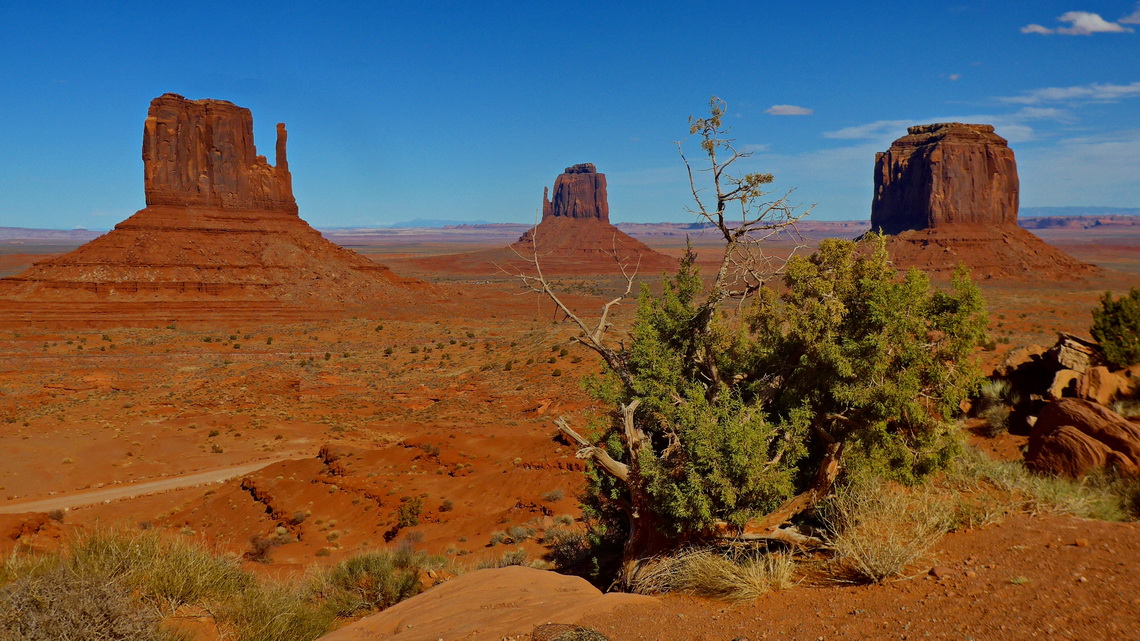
487	604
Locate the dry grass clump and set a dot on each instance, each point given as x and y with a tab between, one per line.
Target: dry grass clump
115	585
711	573
62	603
1100	496
877	531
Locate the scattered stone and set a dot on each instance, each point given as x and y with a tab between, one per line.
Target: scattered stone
940	572
1081	543
564	632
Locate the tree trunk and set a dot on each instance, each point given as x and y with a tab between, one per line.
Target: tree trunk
645	539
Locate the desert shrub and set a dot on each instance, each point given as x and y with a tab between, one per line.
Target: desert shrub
555	495
711	573
370	581
274	612
166	571
63	603
57	515
408	514
519	533
446	506
497	538
1116	326
509	558
877	531
997	419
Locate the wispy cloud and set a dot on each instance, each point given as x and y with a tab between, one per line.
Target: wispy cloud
1083	23
1132	18
1094	92
788	110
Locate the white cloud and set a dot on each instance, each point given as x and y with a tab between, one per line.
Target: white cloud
1081	23
1094	92
955	76
1132	18
788	110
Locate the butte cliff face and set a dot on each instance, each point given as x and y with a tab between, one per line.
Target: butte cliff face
942	175
579	192
947	193
220	237
201	153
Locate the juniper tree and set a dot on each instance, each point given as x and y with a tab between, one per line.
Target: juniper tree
730	420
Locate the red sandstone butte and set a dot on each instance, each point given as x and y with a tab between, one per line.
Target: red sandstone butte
575	234
947	193
945	174
220	237
579	192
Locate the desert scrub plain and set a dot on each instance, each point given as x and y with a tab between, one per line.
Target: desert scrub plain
434	434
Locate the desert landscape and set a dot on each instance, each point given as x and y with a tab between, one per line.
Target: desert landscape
221	421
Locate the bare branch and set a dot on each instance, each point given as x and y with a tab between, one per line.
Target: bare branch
613	467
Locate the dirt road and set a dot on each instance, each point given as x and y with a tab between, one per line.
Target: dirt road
117	492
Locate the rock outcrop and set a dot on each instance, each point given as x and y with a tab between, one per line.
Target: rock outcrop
471	606
201	153
220	236
947	193
945	174
1073	437
579	192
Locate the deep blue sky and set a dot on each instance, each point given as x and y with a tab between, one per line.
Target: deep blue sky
404	110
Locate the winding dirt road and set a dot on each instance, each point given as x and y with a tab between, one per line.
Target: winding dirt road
118	492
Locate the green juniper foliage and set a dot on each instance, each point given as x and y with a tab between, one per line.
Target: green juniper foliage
740	406
1116	326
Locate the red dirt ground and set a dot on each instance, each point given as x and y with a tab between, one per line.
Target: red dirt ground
441	417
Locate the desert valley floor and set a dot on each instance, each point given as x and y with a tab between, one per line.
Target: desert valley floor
222	428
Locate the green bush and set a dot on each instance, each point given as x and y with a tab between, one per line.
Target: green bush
1116	326
370	581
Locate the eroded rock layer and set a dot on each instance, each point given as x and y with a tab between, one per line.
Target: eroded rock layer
220	228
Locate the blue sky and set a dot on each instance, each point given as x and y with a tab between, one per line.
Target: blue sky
405	110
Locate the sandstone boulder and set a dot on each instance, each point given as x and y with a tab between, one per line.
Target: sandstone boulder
1064	384
1073	437
487	604
1101	385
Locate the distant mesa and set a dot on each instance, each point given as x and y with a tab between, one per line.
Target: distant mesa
575	233
220	236
947	193
574	236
